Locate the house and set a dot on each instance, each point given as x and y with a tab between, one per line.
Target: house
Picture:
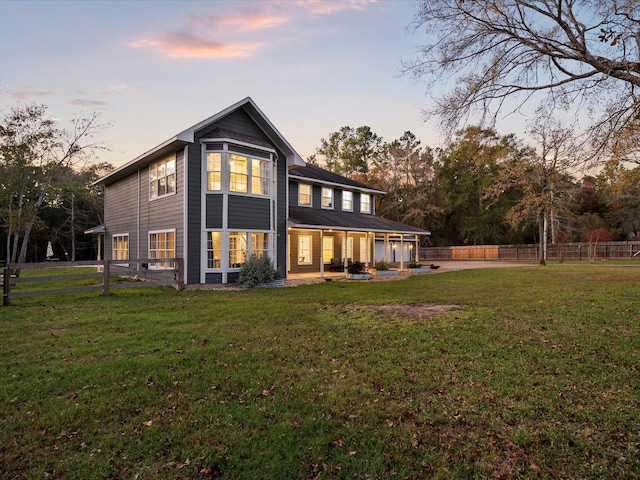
232	186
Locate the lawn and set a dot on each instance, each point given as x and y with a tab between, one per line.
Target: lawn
533	374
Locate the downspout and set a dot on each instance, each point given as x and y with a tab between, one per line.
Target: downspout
138	224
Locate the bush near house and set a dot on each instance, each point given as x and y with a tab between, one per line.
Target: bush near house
258	270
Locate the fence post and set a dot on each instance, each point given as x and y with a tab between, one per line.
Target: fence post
6	285
105	278
180	273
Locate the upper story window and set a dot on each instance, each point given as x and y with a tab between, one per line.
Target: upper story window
347	201
365	203
214	171
237	173
260	176
162	177
304	194
327	197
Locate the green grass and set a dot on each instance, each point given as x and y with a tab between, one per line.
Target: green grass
535	376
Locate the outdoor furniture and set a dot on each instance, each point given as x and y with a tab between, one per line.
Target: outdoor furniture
336	265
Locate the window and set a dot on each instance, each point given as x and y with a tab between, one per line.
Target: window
365	203
237	249
304	250
238	173
259	244
214	249
162	245
327	197
350	248
121	247
214	171
327	249
365	250
162	177
304	194
260	176
347	201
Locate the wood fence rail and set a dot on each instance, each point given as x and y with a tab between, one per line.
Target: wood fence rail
112	274
559	251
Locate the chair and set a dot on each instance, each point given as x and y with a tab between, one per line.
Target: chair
336	265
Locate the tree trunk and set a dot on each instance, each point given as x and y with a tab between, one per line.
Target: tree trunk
73	227
542	232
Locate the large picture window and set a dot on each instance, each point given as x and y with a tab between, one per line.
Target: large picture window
259	244
327	249
162	177
214	249
237	249
162	245
120	245
304	250
304	194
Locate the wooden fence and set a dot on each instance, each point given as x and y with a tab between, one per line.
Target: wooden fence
561	251
108	275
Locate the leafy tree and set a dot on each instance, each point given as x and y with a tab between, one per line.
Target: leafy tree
35	154
408	173
351	152
468	172
621	195
501	54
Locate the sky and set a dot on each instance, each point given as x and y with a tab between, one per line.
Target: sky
154	68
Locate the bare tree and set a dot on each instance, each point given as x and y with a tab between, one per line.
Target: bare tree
499	55
545	179
34	153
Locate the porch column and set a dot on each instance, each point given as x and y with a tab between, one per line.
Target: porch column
321	253
344	249
366	248
386	248
401	251
100	246
417	249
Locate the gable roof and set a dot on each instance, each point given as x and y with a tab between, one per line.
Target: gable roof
320	175
302	217
188	136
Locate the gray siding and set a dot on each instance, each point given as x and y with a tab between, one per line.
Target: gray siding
128	209
213	214
238	121
281	212
249	213
120	205
194	200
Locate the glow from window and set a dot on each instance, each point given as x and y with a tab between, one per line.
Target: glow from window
347	201
304	194
214	171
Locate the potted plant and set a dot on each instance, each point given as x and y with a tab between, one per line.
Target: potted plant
356	271
415	267
382	269
259	272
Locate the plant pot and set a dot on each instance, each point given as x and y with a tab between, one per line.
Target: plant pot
386	273
274	283
420	270
358	276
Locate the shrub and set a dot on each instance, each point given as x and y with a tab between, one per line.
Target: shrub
414	265
381	265
258	270
355	267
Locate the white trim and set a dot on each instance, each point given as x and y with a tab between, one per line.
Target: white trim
175	173
342	186
185	212
342	206
159	260
239	143
310	261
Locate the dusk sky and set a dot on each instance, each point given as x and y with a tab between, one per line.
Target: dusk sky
155	68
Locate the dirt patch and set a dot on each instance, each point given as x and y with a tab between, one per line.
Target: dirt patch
421	310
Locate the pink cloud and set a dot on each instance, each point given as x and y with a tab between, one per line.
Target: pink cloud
187	45
323	7
244	20
26	94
